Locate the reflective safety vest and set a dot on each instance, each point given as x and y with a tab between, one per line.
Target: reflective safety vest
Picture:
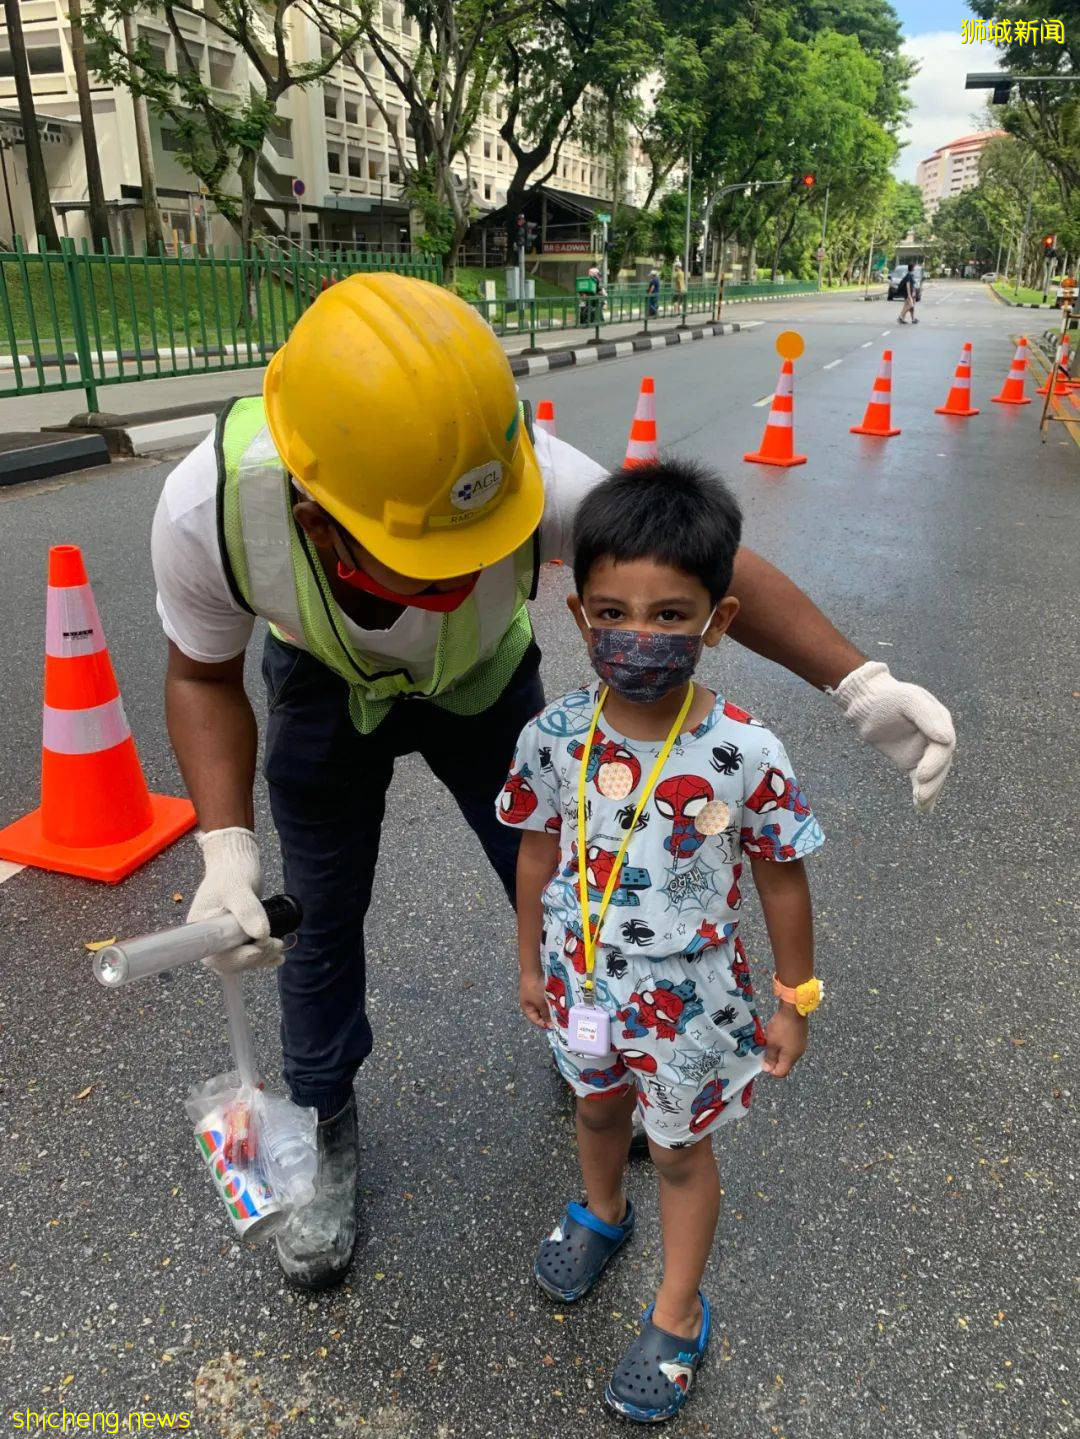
273	570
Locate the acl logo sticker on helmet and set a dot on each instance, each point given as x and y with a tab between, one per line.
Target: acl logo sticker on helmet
477	488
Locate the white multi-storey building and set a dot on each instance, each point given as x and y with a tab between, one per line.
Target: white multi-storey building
331	136
952	169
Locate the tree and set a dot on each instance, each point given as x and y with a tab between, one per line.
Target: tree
1046	118
216	137
675	112
571	47
44	221
99	215
442	78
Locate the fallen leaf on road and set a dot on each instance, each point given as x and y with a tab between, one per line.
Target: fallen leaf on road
549	1360
83	1093
177	897
93	945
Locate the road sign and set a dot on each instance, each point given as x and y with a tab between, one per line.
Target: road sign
604	219
790	345
298	188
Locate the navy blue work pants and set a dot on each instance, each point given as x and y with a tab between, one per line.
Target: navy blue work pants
328	788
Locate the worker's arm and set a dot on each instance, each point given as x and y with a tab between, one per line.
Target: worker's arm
777	620
904	721
213	731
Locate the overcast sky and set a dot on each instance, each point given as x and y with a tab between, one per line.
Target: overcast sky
942	109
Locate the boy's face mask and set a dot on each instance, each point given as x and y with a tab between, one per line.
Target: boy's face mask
644	665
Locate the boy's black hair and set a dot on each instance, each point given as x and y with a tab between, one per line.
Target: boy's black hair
676	512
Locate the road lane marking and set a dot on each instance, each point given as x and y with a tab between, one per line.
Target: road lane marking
867	345
885	332
7	870
763	401
833	364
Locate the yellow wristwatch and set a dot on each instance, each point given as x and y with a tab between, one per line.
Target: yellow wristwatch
805	997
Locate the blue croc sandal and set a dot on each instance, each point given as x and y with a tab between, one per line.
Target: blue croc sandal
653	1379
575	1253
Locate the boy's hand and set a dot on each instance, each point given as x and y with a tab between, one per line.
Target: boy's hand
533	1000
785	1041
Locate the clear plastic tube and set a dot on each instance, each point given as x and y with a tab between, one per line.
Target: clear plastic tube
152	954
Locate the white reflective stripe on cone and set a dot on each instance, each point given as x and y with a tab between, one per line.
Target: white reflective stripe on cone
72	624
780	419
641	450
87	731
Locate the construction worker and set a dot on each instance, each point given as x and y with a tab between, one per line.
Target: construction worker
384	506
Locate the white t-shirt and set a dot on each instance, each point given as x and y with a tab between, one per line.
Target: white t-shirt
199	614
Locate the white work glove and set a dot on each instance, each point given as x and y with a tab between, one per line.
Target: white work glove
905	722
232	885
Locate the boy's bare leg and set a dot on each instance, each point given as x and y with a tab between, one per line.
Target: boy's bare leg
603	1129
689	1210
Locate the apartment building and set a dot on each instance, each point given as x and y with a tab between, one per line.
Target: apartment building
952	169
336	137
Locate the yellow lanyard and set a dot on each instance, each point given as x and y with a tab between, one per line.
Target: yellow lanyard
590	933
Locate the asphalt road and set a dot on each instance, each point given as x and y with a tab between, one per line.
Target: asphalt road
894	1253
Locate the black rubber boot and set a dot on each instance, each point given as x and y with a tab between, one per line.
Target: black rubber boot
315	1245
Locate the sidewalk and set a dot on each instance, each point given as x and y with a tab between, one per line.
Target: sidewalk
210	388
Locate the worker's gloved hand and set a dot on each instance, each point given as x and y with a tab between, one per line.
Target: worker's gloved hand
905	722
232	885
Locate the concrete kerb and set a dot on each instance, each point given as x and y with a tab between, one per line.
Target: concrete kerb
523	366
25	457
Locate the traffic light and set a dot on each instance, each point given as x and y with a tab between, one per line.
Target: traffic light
532	235
1048	242
803	182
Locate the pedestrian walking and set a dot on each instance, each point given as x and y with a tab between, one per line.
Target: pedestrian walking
678	279
907	289
652	290
658	1012
385	505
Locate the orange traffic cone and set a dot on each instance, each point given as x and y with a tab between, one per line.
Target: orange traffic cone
96	818
1012	391
641	448
959	401
1062	382
878	417
545	417
778	441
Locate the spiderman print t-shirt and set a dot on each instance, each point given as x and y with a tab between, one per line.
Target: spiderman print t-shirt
726	792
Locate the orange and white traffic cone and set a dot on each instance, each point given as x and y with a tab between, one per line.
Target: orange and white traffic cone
778	441
1062	382
545	417
1012	391
641	448
959	401
96	817
878	417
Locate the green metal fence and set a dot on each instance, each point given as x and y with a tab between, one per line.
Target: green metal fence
622	306
80	320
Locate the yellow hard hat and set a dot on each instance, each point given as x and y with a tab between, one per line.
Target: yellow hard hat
393	405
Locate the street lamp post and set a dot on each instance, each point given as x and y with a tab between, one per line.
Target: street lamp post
821	247
686	246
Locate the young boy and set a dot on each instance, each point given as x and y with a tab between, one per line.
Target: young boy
628	903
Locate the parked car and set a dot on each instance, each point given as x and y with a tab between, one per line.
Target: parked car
898	275
990	275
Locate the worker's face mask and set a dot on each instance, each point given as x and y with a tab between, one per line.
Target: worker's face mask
644	665
439	601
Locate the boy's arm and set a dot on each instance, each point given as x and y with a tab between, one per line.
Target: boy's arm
785	902
537	859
